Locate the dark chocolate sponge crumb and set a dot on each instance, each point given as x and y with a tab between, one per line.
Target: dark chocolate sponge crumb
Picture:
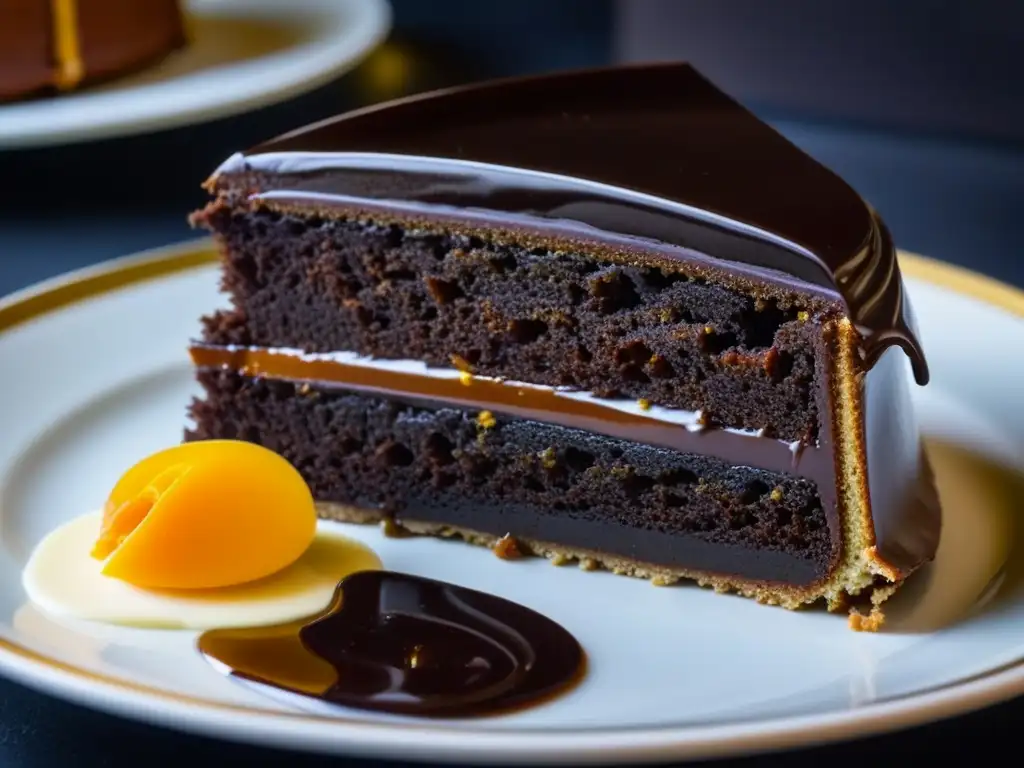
642	332
523	478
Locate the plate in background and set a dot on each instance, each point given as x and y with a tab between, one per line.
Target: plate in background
102	378
242	54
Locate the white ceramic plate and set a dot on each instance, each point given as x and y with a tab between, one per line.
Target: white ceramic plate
96	375
243	54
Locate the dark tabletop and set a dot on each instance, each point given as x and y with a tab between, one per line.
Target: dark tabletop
62	208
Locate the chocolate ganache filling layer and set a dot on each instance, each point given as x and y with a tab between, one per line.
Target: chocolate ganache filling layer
667	428
651	156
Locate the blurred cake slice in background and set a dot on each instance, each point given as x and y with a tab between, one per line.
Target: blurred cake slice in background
609	316
50	46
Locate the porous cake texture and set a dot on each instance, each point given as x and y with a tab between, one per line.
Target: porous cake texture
542	355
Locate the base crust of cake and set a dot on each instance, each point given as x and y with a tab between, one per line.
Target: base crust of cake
865	615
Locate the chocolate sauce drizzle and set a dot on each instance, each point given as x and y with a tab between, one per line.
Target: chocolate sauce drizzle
651	156
392	642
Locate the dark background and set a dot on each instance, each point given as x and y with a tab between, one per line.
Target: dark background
919	104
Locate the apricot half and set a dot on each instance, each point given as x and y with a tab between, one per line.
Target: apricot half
206	514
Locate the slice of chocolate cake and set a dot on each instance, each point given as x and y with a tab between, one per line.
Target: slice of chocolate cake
608	315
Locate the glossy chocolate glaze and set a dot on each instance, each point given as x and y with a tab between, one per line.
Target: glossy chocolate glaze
654	154
904	501
402	644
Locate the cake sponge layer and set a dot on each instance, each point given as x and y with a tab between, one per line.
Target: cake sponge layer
664	333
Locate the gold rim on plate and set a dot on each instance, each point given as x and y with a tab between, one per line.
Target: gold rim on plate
92	282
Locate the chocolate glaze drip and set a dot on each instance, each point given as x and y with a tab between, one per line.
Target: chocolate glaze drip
654	154
392	642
